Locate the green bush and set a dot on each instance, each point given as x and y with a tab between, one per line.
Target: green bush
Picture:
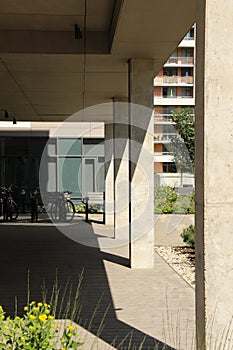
36	330
167	201
80	208
188	236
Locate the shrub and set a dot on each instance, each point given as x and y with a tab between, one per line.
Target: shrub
80	208
36	330
165	198
167	201
188	236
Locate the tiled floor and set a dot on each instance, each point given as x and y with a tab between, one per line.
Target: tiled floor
121	305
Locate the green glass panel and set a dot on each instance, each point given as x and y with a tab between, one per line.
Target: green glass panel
68	147
70	170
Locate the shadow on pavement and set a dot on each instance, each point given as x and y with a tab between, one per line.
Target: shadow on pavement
43	250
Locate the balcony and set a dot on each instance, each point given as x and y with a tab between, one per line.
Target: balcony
163	157
164	137
162	118
180	61
174	101
175	80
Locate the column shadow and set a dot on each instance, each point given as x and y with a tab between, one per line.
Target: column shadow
43	250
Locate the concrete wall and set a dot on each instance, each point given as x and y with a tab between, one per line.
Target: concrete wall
214	175
173	179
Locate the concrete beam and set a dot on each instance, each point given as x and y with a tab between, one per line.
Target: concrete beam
52	42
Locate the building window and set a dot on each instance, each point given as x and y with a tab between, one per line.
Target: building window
169	92
169	71
168	111
169	167
189	35
187	52
186	72
186	92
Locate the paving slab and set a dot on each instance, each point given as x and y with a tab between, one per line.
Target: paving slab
124	307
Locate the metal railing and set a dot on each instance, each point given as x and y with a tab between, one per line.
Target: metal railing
164	154
180	60
164	136
174	80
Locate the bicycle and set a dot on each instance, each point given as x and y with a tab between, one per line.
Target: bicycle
63	208
8	207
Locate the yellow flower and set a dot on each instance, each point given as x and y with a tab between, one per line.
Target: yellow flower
31	328
2	317
70	328
1	309
63	348
50	317
52	325
47	311
43	317
25	308
58	326
39	304
32	317
69	334
35	309
32	303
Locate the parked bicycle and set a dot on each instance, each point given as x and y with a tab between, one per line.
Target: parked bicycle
8	207
63	208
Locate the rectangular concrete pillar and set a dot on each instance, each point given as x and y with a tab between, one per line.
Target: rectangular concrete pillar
121	168
214	175
141	211
109	175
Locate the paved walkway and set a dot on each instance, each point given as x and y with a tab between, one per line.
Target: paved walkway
151	306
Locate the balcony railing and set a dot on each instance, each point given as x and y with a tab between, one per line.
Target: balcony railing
173	80
164	154
180	60
174	97
158	117
188	37
164	137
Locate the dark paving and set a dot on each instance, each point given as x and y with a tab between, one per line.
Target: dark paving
42	252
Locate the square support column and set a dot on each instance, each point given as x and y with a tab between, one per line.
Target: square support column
214	175
109	175
141	211
121	167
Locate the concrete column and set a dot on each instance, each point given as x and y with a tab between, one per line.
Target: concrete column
121	167
214	175
109	175
141	74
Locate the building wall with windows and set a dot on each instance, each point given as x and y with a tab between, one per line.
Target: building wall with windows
70	158
174	88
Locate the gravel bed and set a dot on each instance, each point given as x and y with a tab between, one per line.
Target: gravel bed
181	259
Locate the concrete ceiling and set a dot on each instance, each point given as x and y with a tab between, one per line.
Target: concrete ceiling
44	70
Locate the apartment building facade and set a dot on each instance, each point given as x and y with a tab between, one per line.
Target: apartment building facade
174	88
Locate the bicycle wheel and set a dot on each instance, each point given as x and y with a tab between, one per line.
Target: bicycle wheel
14	211
54	211
70	210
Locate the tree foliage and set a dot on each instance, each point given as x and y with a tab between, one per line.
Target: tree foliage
183	144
